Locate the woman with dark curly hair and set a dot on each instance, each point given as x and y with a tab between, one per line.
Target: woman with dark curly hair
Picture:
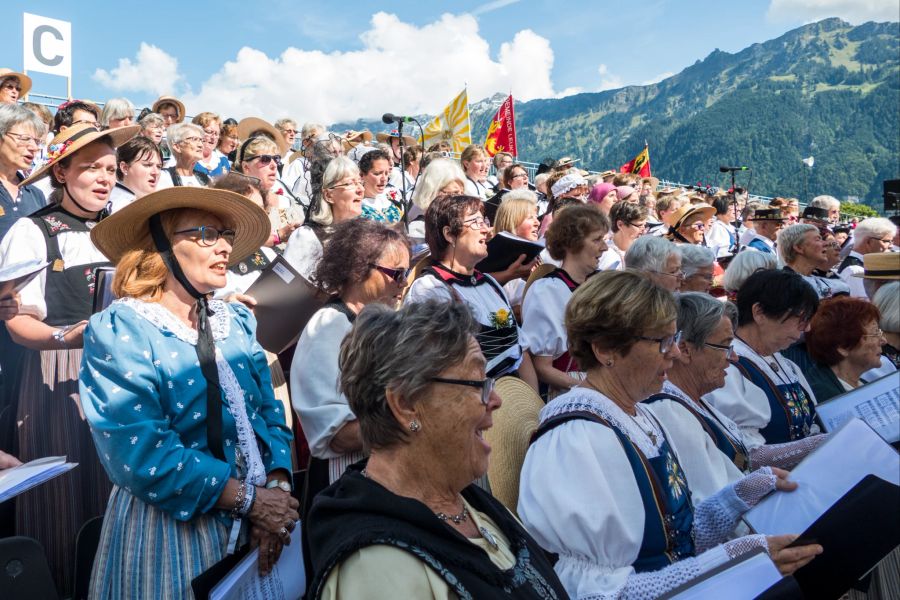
363	263
576	238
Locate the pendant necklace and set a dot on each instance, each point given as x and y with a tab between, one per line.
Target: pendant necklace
650	434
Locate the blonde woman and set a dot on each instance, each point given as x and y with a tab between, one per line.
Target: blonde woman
517	215
476	164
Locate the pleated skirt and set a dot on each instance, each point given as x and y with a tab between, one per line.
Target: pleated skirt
145	553
49	423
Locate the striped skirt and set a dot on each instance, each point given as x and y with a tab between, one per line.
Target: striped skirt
50	424
145	553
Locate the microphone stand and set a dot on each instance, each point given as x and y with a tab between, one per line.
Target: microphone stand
403	179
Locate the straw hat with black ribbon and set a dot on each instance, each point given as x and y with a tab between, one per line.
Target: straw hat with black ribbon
881	265
178	104
127	230
24	80
74	138
254	126
385	137
351	139
678	218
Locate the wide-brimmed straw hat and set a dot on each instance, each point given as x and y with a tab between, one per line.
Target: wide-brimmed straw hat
385	137
24	80
247	127
179	106
880	265
74	138
677	218
126	229
352	139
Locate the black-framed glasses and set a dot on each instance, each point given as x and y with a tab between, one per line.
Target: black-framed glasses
638	226
730	353
209	235
486	385
665	343
265	159
477	223
398	276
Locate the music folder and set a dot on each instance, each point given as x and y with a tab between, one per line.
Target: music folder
504	249
285	302
750	576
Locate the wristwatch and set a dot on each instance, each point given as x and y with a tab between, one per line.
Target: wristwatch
284	486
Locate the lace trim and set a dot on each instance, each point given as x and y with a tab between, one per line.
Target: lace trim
786	455
733	430
234	394
584	399
755	486
159	315
745	544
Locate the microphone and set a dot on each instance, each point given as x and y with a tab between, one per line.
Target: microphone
392	118
723	169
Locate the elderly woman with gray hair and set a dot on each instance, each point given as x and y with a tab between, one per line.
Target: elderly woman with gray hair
338	199
185	142
707	330
117	112
21	135
409	523
802	249
697	263
602	485
742	266
659	258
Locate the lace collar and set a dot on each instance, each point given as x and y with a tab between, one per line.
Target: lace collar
164	320
636	428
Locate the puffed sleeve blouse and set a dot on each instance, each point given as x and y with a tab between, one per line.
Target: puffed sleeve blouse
145	398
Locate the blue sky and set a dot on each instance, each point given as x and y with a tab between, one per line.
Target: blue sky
341	60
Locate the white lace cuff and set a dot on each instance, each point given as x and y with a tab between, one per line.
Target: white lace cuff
787	455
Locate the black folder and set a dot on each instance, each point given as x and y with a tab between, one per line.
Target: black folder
856	533
504	249
203	583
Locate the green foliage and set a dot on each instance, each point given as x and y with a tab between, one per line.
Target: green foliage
853	209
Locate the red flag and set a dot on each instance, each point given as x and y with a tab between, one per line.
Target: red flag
640	164
501	134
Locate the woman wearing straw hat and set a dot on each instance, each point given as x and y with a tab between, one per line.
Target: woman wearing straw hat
688	224
178	394
392	138
54	310
13	85
576	238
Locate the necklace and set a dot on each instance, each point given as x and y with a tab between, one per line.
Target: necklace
650	434
457	519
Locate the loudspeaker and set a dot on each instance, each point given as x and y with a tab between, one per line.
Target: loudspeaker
891	194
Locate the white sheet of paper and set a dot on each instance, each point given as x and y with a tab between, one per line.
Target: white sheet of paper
877	403
824	476
19	479
742	579
286	581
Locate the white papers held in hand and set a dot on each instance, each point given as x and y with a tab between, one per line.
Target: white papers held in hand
877	403
19	479
741	578
286	580
824	477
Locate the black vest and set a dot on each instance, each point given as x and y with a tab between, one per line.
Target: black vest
355	512
850	261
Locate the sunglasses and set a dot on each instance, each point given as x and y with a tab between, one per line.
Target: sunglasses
398	276
265	159
209	235
486	385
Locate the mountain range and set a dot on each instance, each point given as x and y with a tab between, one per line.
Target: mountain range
828	89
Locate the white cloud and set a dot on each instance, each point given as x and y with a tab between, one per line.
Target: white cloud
854	11
154	71
492	6
658	78
608	80
401	67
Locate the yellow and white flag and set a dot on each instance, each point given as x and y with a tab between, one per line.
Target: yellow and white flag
451	125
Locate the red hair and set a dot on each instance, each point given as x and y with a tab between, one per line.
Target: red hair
839	323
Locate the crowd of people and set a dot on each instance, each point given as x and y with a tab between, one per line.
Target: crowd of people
678	341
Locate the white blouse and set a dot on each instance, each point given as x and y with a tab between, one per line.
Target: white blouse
743	402
543	317
303	251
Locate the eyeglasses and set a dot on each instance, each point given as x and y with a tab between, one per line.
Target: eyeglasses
486	385
193	139
94	124
351	183
11	85
520	176
677	274
22	139
398	276
665	343
265	159
730	353
212	134
878	333
477	223
209	235
289	131
638	226
700	225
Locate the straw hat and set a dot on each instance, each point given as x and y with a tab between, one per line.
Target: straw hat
74	138
125	229
514	423
247	127
815	213
179	106
353	138
385	137
881	265
677	218
24	80
565	162
654	183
